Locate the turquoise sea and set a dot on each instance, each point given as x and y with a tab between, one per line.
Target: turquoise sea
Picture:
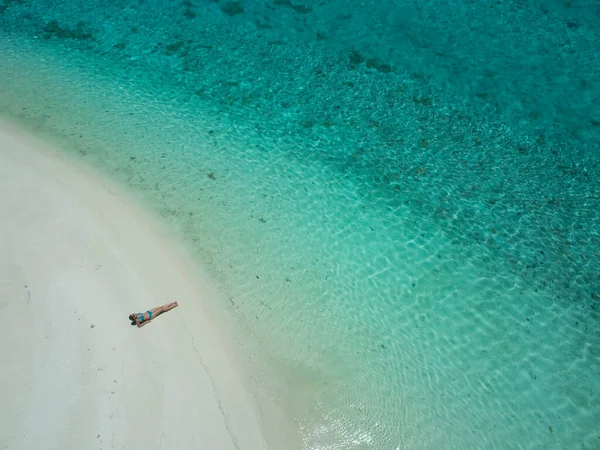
398	201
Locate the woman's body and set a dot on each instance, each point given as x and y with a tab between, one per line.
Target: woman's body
141	319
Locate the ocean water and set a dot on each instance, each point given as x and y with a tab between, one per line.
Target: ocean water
399	202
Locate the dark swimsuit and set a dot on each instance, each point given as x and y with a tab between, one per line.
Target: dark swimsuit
140	316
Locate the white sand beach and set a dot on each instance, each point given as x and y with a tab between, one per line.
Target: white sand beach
76	258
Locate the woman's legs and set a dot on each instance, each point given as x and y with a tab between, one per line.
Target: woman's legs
169	307
164	308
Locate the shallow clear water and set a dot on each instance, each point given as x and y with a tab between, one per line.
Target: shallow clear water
399	202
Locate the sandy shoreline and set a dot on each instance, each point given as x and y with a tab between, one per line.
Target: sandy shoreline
76	258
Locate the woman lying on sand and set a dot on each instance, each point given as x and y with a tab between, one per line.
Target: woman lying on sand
141	319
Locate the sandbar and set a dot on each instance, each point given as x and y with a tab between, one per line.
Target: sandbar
76	258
